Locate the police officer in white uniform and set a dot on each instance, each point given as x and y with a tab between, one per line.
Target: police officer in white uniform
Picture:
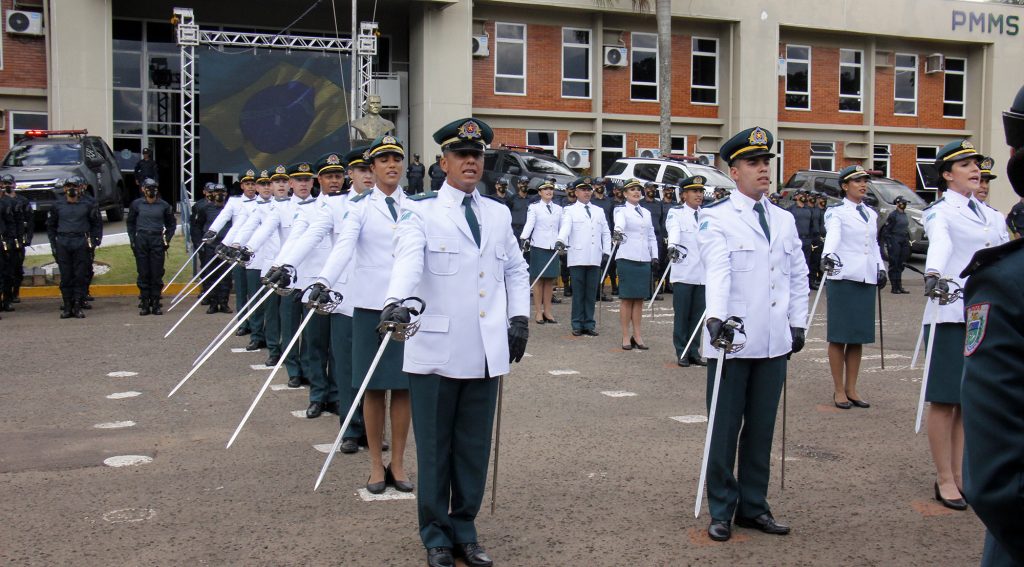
455	249
584	233
755	272
235	212
687	275
257	261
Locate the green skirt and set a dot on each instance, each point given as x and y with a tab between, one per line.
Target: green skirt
634	279
539	257
851	312
388	375
947	367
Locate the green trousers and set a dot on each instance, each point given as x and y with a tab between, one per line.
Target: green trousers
688	306
256	317
241	288
340	371
748	399
452	420
315	350
291	317
584	296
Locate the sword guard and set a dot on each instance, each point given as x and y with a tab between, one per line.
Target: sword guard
837	265
727	338
325	302
678	253
951	294
402	331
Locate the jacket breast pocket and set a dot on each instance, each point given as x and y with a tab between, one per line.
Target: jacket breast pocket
741	255
442	255
790	252
499	263
433	344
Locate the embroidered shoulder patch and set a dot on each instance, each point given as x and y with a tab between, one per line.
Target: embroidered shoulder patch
977	320
930	216
703	226
406	216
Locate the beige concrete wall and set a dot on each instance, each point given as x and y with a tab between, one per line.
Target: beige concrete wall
81	66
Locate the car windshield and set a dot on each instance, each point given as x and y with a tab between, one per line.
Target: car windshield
550	166
715	177
888	190
44	154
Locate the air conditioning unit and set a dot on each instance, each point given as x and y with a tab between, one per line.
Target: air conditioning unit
576	159
883	58
649	153
615	56
25	23
480	46
934	63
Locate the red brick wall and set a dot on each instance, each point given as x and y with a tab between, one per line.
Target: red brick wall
24	65
903	164
929	100
796	156
824	91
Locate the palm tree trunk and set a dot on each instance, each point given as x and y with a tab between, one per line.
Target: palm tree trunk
663	13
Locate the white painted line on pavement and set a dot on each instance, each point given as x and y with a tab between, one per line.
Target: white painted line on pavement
299	413
127	460
129	515
690	418
260	367
389	494
123	395
279	387
242	349
618	394
115	425
122	374
562	372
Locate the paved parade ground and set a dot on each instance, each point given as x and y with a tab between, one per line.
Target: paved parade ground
600	455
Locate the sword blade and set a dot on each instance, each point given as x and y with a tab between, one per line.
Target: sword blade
661	282
784	382
182	268
707	436
266	385
497	444
541	274
352	409
927	368
241	313
693	335
881	334
917	347
600	283
198	275
814	309
197	303
186	290
210	354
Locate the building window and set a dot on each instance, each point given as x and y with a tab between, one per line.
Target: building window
880	159
643	79
20	122
679	145
851	79
575	63
823	156
905	93
704	71
798	77
780	164
544	139
510	59
956	88
613	147
927	173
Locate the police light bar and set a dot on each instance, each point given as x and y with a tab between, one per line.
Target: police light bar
688	158
527	148
48	133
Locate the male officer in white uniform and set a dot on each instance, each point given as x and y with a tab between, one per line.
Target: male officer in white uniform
256	259
584	233
235	212
687	274
755	272
455	249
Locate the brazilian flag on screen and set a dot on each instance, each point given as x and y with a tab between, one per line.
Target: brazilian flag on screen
269	107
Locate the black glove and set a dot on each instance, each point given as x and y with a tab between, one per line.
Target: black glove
395	313
221	250
617	236
933	284
675	254
245	254
279	276
799	337
209	235
167	246
317	292
827	264
518	333
717	330
560	247
883	279
526	246
131	244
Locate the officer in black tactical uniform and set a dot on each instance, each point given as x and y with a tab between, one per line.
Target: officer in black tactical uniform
150	226
203	214
73	228
805	228
1015	220
658	209
7	227
437	175
88	198
895	239
817	202
601	199
24	219
415	173
519	203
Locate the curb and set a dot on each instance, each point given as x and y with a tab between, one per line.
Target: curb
110	290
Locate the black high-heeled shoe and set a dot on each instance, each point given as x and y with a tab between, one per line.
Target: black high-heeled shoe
629	346
550	320
636	345
377	487
400	485
955	504
841	405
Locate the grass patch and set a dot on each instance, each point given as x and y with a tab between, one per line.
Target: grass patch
122	262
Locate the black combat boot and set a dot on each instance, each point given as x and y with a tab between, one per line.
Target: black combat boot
76	309
65	308
224	308
213	308
144	307
155	306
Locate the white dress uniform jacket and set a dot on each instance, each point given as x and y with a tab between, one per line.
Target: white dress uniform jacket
585	236
280	221
762	283
542	223
470	292
235	211
365	246
314	234
681	226
639	243
955	233
263	256
854	240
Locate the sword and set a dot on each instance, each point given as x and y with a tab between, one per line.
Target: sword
711	426
219	343
541	274
198	302
182	268
266	385
881	335
785	381
240	313
185	289
917	347
837	267
927	366
693	335
600	282
497	445
661	282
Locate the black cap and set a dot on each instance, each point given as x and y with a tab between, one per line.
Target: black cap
6	178
149	182
1013	121
74	180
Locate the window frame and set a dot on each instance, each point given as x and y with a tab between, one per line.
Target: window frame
809	78
860	96
821	155
896	70
918	161
657	63
963	89
522	43
693	55
674	139
780	164
12	131
888	158
621	150
554	137
590	62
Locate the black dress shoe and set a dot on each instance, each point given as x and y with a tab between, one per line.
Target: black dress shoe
400	485
576	332
903	290
638	345
841	405
89	297
242	331
698	361
440	557
859	403
331	407
765	523
314	410
684	362
349	445
294	381
225	309
957	504
539	321
211	309
550	320
272	360
719	530
474	555
255	345
590	332
605	298
377	487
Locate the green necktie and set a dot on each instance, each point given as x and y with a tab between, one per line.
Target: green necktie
695	214
391	206
764	221
974	208
474	226
587	208
863	215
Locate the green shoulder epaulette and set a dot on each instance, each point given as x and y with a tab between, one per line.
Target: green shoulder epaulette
422	196
935	202
716	203
360	196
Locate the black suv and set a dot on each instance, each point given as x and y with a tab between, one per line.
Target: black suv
511	162
44	158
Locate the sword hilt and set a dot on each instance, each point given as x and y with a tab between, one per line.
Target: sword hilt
678	253
325	301
400	330
726	339
948	293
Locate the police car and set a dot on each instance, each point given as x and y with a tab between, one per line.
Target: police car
509	163
670	171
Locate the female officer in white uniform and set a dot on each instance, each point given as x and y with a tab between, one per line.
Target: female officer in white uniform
637	252
850	228
542	221
957	226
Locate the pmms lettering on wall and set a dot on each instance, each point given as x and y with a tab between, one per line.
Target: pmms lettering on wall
985	22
